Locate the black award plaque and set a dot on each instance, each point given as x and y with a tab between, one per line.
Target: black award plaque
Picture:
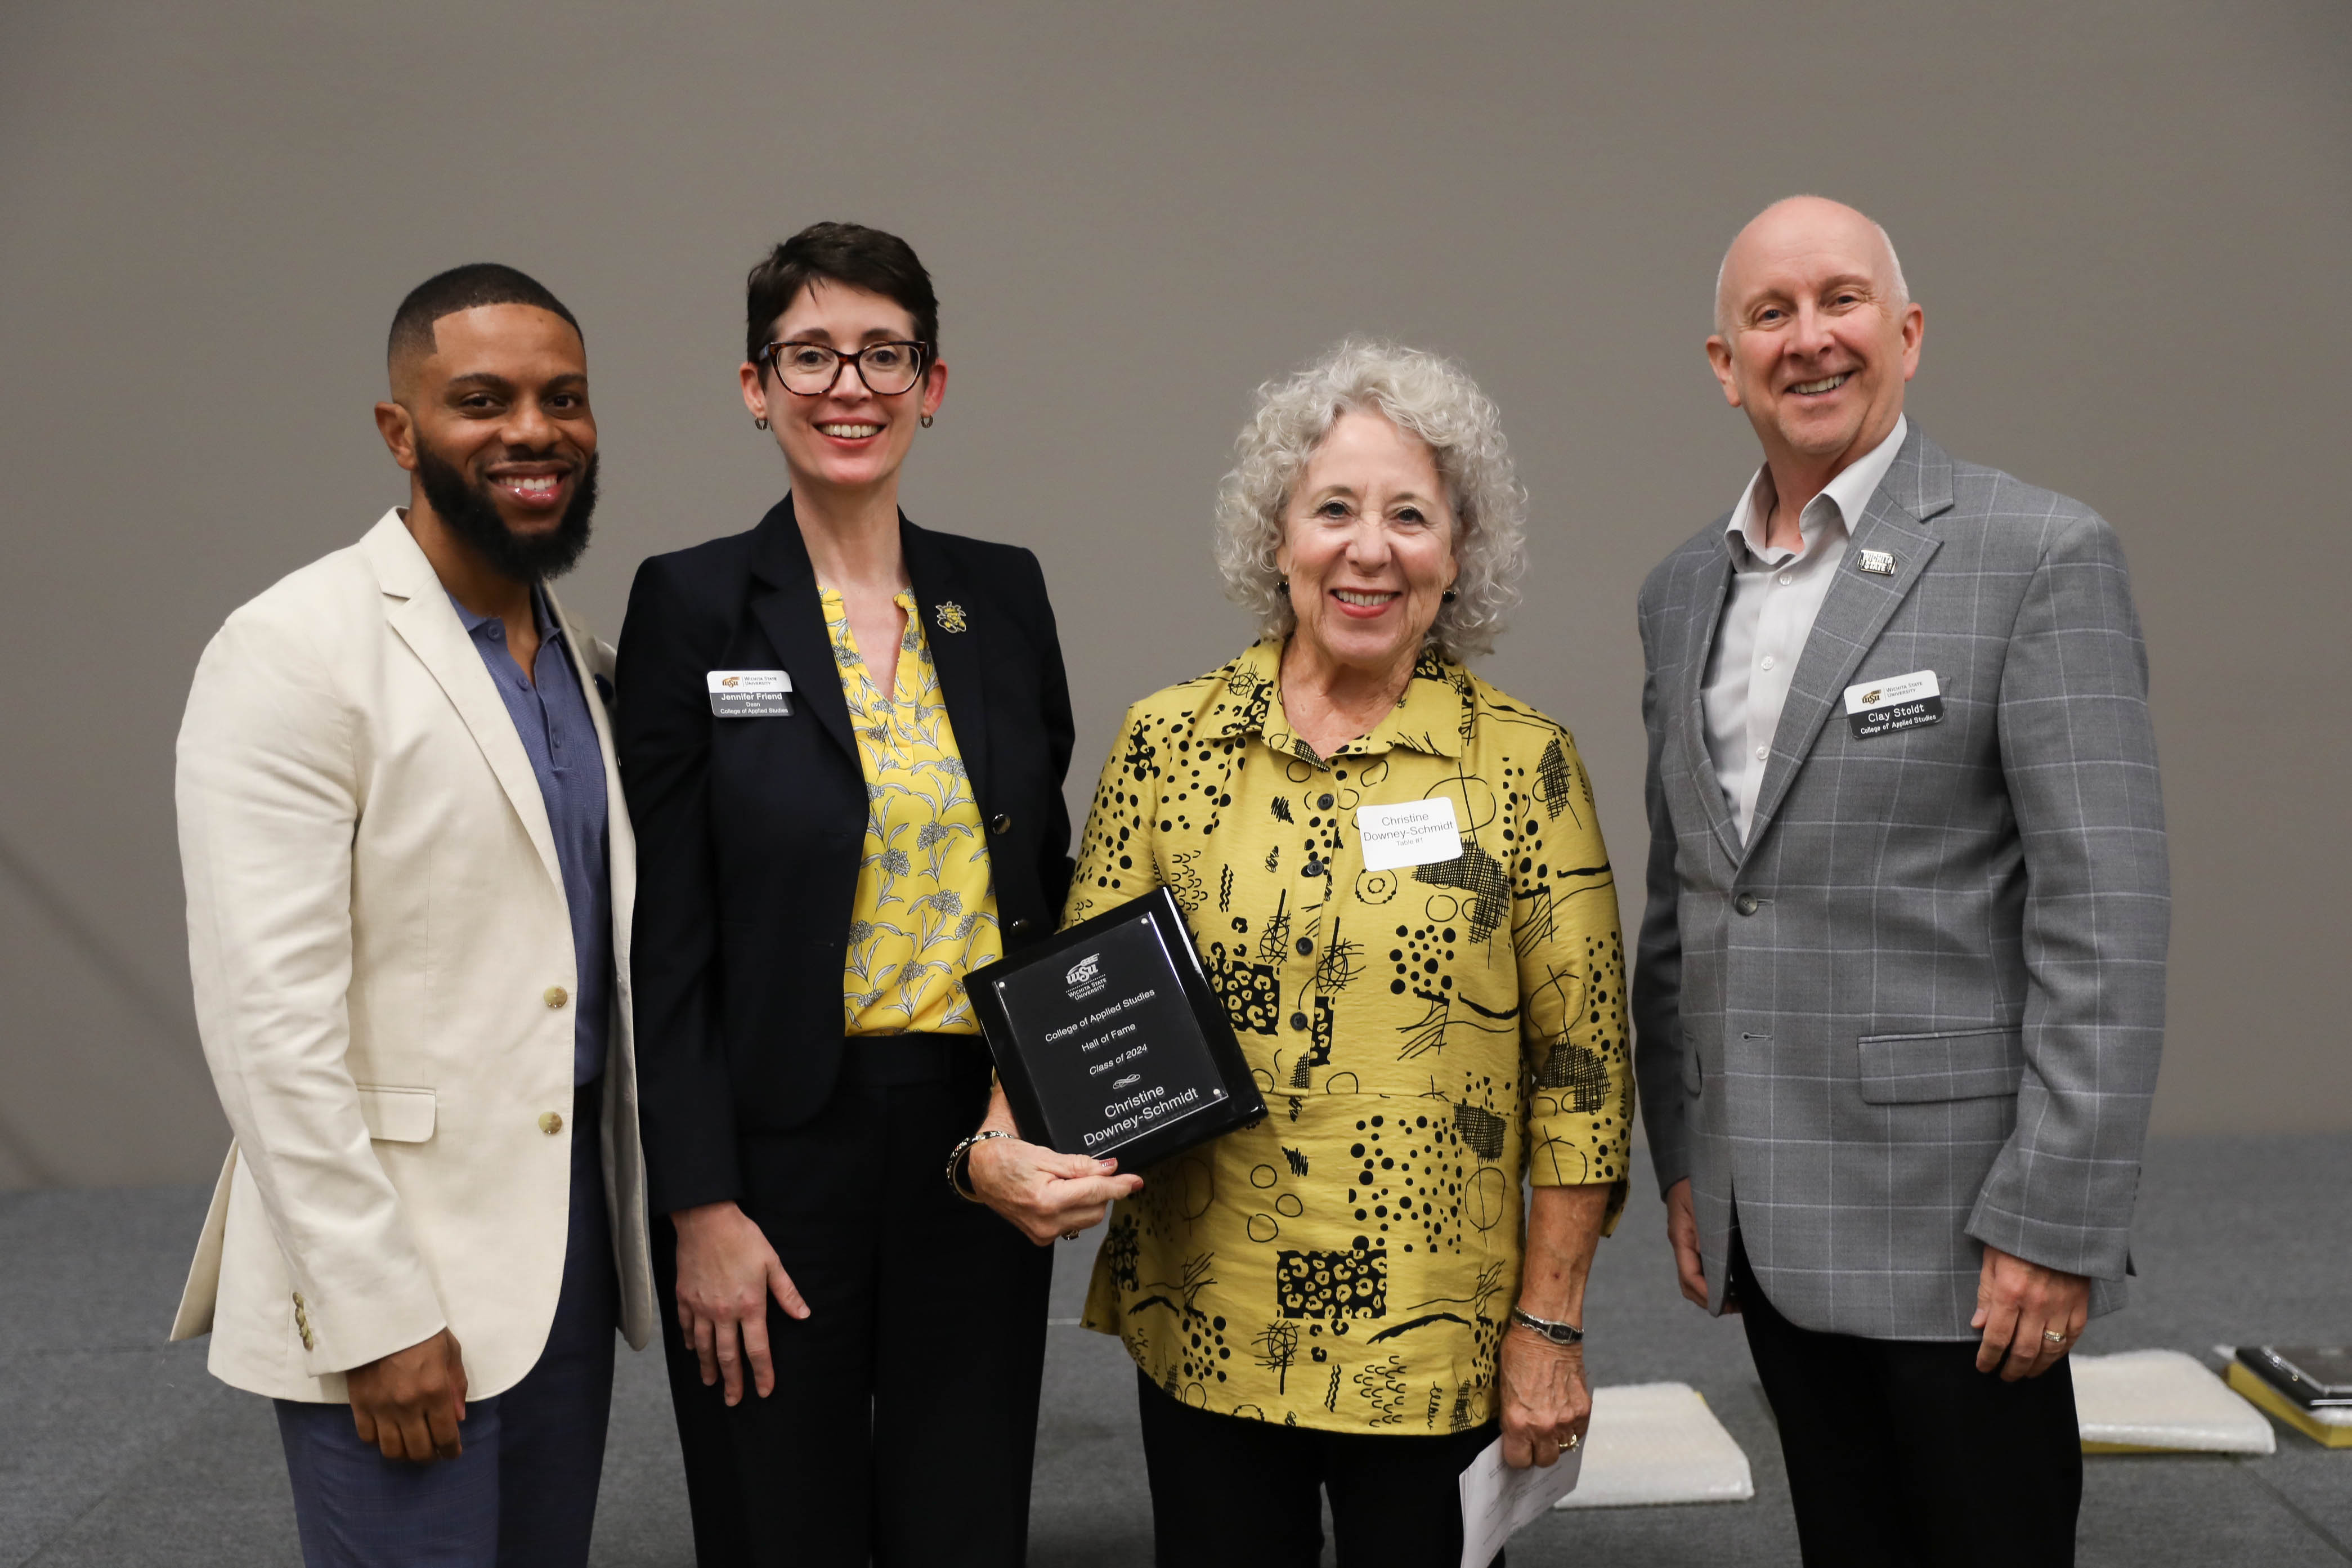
1110	1041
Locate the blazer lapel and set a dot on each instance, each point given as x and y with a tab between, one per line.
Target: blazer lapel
594	662
789	610
1713	586
957	643
423	618
1856	609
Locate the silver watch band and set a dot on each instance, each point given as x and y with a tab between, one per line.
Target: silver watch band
1558	1333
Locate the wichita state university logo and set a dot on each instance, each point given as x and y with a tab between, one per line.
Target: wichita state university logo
1086	977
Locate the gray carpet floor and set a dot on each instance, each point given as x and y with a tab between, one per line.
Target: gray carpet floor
117	1449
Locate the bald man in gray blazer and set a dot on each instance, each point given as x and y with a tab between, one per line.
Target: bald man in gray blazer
1900	985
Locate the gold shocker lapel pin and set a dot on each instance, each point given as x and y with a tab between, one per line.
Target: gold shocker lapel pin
948	615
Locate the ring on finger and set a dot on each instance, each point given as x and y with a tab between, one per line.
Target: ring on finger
2054	1337
1072	1235
1570	1441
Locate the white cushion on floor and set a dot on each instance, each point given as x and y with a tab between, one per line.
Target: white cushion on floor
2164	1399
1656	1442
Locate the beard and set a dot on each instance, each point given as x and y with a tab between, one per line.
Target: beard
472	515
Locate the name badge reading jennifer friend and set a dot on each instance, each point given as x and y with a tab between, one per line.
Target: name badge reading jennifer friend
1899	702
1415	832
750	693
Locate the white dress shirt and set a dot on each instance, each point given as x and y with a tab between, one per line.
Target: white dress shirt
1775	594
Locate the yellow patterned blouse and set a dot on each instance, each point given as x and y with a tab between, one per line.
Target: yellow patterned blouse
925	910
1423	1036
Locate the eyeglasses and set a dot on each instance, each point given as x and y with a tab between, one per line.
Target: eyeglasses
811	369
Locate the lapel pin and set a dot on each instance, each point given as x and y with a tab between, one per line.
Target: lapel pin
1879	561
950	615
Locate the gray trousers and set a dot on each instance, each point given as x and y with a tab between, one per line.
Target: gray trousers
524	1492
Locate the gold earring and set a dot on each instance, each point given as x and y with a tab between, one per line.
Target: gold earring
760	423
927	421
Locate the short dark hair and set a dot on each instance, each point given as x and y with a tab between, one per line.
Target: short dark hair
465	288
847	253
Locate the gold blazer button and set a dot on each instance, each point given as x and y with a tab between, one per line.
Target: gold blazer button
556	996
550	1123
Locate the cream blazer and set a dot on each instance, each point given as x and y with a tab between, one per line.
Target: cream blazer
383	972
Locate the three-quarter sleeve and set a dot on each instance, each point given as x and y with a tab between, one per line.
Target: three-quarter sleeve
1571	962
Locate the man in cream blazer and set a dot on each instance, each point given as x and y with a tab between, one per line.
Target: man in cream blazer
409	880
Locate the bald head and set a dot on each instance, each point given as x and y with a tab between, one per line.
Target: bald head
1794	224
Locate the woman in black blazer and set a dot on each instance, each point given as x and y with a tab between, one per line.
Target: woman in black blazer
824	845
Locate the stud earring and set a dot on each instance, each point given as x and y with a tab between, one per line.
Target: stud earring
927	421
1283	587
760	423
1449	595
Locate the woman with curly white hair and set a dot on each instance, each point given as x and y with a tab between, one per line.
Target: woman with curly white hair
1395	877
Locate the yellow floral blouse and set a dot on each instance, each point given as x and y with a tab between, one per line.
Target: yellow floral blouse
925	910
1423	1036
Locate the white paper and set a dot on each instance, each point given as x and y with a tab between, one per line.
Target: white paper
1411	833
1497	1499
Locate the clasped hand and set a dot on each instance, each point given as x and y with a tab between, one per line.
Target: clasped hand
407	1405
1546	1402
1044	1194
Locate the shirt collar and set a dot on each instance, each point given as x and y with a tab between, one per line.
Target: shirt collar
1432	716
541	612
1848	495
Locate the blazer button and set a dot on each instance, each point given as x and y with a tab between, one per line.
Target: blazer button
550	1123
1306	946
1000	824
556	996
1298	1020
1745	904
1018	927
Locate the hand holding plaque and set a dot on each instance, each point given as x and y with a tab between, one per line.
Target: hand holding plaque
1110	1040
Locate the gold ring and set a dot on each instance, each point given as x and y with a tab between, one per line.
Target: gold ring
1573	1439
2054	1336
1072	1235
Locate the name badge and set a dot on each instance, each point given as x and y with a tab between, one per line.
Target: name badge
1899	702
750	693
1416	833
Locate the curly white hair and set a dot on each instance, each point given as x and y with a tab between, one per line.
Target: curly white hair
1423	394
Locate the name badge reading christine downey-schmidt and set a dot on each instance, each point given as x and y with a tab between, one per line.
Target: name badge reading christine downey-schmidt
1899	702
750	693
1411	833
1110	1040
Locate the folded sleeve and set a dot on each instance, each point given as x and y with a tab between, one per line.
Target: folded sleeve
1572	965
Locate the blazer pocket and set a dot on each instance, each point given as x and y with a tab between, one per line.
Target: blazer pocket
396	1115
1967	1064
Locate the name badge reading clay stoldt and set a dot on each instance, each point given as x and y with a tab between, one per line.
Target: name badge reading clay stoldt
1897	702
1413	832
749	693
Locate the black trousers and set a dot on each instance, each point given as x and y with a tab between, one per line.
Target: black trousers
1902	1454
905	1413
1228	1492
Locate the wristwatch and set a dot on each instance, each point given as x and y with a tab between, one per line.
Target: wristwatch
1558	1333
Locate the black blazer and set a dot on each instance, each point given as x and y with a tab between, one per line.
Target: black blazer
749	830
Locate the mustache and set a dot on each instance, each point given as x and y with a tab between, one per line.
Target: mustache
471	511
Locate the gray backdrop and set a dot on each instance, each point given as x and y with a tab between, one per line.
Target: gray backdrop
2128	224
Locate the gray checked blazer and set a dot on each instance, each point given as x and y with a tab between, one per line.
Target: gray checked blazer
1921	1006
